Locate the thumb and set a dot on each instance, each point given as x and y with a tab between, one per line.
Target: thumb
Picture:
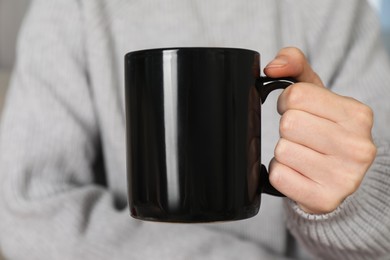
291	62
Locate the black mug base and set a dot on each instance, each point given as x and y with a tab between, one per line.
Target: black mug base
185	217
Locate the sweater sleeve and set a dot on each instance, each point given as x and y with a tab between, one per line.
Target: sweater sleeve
51	205
347	52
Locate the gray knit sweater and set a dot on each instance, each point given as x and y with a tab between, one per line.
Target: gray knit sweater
62	147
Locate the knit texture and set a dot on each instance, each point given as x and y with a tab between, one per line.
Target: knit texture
62	138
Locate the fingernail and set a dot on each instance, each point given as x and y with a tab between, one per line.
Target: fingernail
278	62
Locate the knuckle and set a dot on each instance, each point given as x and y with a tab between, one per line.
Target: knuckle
365	151
370	150
295	94
280	150
363	115
351	183
288	122
275	176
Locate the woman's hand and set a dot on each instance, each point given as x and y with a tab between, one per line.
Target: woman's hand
325	146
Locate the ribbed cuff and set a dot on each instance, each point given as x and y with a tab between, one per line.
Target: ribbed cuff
359	228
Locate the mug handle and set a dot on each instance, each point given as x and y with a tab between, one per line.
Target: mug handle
265	85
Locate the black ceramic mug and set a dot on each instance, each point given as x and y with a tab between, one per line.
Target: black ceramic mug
193	133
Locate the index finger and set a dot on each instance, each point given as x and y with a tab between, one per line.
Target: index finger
316	100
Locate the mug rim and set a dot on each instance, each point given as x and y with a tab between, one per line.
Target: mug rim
153	51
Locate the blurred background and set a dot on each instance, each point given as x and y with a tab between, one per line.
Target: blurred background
13	11
11	16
